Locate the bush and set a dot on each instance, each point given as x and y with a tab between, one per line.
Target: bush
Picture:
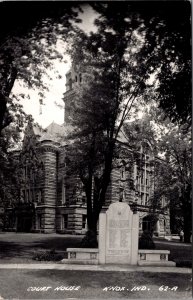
89	241
47	255
146	241
183	263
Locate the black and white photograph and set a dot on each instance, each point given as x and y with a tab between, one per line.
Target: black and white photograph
95	149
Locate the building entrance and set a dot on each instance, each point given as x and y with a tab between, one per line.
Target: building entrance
148	223
24	214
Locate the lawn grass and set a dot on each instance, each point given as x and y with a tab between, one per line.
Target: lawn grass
21	248
179	253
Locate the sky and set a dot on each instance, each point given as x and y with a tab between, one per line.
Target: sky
50	111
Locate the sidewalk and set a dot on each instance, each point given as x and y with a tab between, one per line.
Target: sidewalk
113	268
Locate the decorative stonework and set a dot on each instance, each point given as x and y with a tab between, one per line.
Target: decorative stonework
72	254
162	257
93	256
142	256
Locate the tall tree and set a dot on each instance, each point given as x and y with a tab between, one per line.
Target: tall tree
172	170
117	62
176	146
114	76
10	144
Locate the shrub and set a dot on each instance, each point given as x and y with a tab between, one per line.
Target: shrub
89	241
47	255
146	241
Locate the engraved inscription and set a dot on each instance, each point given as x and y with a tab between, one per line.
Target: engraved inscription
118	252
119	231
124	238
118	223
118	240
112	238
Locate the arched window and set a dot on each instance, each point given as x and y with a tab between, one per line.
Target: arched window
70	83
123	174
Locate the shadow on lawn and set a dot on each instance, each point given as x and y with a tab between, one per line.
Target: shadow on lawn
26	250
24	247
180	254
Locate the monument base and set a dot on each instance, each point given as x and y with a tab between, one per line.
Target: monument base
157	263
80	261
159	258
90	256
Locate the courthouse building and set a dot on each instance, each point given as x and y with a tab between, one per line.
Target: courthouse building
57	202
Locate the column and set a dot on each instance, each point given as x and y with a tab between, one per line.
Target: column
134	239
102	237
50	186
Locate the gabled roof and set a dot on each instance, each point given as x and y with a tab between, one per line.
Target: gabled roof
55	128
55	132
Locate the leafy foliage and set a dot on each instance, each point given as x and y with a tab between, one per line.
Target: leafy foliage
10	143
28	44
20	168
114	77
172	171
132	44
49	255
89	241
146	241
177	147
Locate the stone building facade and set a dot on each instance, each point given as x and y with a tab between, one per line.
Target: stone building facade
57	202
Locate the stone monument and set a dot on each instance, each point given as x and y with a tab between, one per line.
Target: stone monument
118	242
118	235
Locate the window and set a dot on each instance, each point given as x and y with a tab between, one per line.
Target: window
142	199
123	173
27	196
70	84
142	177
39	196
83	199
80	77
65	221
63	191
39	221
146	199
147	178
25	173
122	194
84	219
163	201
76	78
22	195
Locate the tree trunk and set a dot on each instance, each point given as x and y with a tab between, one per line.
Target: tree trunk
187	214
6	87
187	227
